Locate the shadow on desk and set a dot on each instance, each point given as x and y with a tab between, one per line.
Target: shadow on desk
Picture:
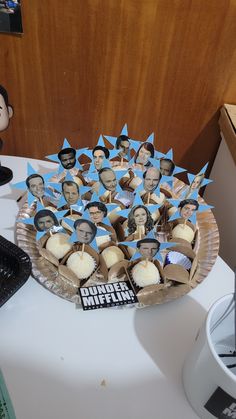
168	333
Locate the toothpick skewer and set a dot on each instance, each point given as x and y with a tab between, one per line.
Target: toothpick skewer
41	201
83	246
148	198
109	197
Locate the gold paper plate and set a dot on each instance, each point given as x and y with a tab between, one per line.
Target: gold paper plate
207	248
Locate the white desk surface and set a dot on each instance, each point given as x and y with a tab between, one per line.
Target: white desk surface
55	357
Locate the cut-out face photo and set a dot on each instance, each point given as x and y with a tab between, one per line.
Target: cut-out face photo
35	185
97	211
123	144
70	191
99	155
6	111
187	207
167	167
145	151
139	216
85	230
108	179
148	248
44	220
197	181
151	179
67	157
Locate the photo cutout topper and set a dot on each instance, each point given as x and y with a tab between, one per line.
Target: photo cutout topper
196	182
36	185
188	208
67	157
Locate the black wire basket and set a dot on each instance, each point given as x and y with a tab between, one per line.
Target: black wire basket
15	269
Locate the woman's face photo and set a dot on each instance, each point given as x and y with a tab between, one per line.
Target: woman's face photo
143	156
140	216
196	182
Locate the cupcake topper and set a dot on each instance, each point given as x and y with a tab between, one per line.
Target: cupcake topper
70	192
188	207
44	220
85	231
197	181
148	247
35	184
113	140
167	167
67	157
97	211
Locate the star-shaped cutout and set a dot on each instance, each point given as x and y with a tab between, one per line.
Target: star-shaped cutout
99	231
191	200
150	235
43	212
23	185
78	153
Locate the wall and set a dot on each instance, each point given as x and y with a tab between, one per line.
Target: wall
86	67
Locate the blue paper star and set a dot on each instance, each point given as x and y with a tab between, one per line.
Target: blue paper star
30	221
23	186
193	218
78	153
100	232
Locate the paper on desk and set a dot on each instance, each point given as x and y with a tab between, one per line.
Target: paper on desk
6	408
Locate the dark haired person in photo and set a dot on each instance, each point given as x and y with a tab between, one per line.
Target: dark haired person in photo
35	185
67	157
187	207
99	155
97	212
167	167
139	220
70	191
145	151
45	219
86	230
148	248
123	144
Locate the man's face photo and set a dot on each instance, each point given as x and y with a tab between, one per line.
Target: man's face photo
187	211
108	179
68	160
124	148
151	180
96	215
36	186
85	232
70	192
149	250
98	157
166	167
6	113
45	223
